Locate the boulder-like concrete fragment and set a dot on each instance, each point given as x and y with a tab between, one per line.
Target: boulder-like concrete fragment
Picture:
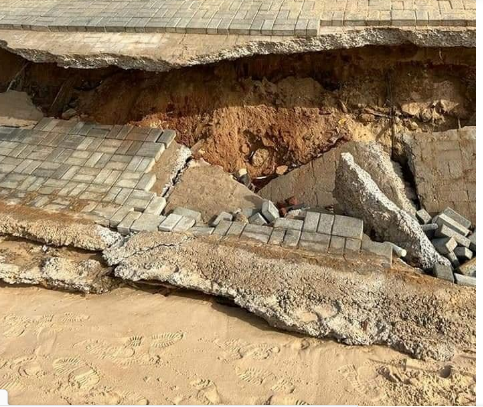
360	196
313	183
321	299
87	276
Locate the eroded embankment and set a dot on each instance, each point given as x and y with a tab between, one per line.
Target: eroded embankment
267	111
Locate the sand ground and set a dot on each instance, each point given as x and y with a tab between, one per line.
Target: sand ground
159	346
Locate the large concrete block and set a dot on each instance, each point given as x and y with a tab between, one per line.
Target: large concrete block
446	231
465	280
442	219
444	272
311	222
170	222
450	213
269	211
346	226
444	245
188	213
284	223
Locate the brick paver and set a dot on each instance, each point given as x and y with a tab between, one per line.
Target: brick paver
242	17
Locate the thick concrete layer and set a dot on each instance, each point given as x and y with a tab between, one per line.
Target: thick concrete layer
354	301
163	52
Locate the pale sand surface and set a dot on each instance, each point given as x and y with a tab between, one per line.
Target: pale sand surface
161	347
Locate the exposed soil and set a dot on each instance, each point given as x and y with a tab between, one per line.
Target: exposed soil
263	112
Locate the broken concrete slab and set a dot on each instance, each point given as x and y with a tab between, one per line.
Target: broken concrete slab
329	305
86	276
314	183
444	169
210	190
55	229
360	196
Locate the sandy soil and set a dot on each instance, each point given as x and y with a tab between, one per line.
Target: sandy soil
160	347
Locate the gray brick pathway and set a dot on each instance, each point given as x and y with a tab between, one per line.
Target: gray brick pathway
242	17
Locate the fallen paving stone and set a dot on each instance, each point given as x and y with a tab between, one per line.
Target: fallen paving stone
167	137
346	226
236	229
461	220
463	253
430	229
445	231
202	230
330	303
453	260
147	222
222	228
442	219
156	206
311	222
444	245
325	224
170	222
257	219
465	280
119	215
269	211
398	251
291	238
257	232
184	224
124	227
188	213
443	272
276	237
222	216
360	197
423	216
469	268
317	242
472	239
283	223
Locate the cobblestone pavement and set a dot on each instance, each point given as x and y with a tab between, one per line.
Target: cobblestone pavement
244	17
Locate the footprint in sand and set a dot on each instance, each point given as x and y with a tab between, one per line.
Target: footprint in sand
13	326
134	341
258	352
83	378
165	340
46	339
70	318
11	383
253	376
64	366
207	391
369	388
278	400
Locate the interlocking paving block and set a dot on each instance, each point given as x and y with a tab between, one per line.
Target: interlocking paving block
346	226
463	253
430	229
150	149
465	280
156	206
139	200
222	216
257	219
147	222
105	210
124	227
444	245
468	268
222	228
188	212
202	230
379	249
472	238
269	211
257	232
167	137
443	272
170	222
423	216
337	245
311	222
450	213
184	224
284	223
453	260
146	182
326	222
236	229
277	236
318	242
445	231
443	219
291	238
119	215
352	245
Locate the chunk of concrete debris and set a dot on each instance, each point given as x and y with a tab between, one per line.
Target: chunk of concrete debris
188	213
443	272
423	216
170	222
463	253
445	231
465	280
430	229
269	211
455	263
469	268
359	195
444	245
222	216
450	213
442	219
383	250
257	219
398	251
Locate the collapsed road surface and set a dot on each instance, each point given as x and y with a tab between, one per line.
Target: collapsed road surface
275	163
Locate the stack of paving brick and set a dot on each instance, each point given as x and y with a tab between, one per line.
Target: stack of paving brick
452	236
